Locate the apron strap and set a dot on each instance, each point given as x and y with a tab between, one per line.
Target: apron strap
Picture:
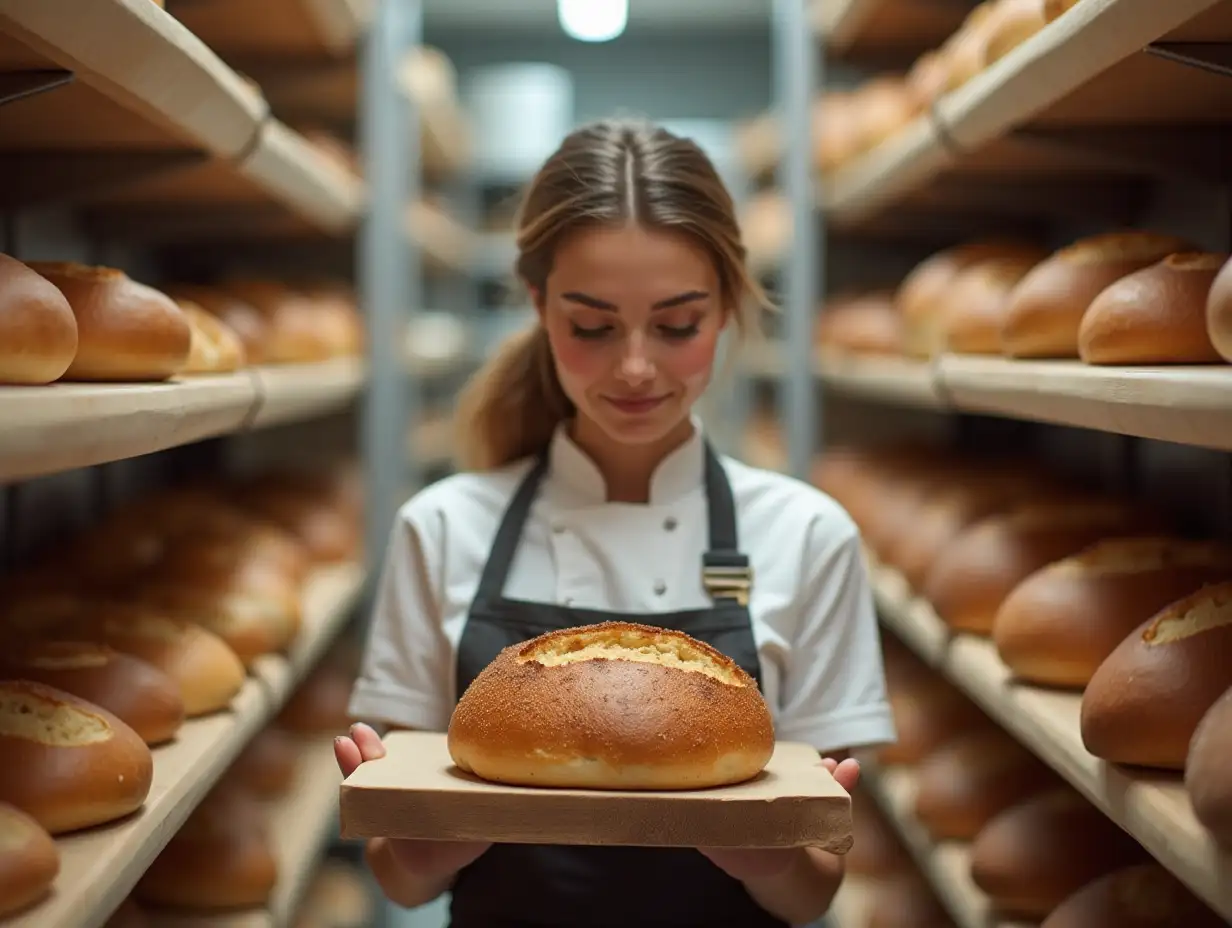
505	545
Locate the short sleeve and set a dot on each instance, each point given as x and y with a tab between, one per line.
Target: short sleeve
834	689
405	678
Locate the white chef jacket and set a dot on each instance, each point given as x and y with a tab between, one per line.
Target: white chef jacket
811	604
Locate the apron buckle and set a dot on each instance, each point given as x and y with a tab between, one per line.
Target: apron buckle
728	582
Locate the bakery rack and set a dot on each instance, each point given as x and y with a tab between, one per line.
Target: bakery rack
1112	115
183	141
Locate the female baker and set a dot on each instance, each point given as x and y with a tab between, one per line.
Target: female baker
592	495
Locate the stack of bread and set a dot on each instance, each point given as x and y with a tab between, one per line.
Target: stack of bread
1096	595
61	321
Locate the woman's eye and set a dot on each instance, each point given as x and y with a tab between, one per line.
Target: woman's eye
683	331
595	333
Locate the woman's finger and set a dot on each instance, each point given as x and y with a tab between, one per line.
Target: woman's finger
368	741
847	774
346	752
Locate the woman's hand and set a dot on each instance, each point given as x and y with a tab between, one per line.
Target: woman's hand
761	864
427	862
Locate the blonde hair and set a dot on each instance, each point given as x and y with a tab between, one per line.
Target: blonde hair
607	173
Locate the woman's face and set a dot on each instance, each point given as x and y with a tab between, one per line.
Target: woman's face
633	317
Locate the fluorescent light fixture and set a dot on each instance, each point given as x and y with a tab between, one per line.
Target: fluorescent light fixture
593	20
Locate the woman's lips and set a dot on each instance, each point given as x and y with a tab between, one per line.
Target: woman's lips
638	405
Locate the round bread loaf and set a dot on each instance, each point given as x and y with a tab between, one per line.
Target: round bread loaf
216	348
267	764
220	859
969	581
1035	854
324	530
906	901
1045	310
974	310
965	783
1054	8
1219	312
242	318
1058	625
882	106
928	713
863	325
137	693
38	332
1145	701
1208	777
612	706
125	330
293	335
1142	896
29	861
1010	24
1153	316
966	49
68	763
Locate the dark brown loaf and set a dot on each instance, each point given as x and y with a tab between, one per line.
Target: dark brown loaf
1154	316
29	861
962	785
1219	312
1142	896
68	763
1145	701
1033	855
135	692
612	706
1063	621
928	713
125	330
38	332
876	850
1208	775
1045	310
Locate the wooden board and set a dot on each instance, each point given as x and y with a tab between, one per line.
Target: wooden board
415	791
898	380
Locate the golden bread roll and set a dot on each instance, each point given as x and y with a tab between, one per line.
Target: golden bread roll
966	50
863	325
216	348
928	713
612	706
1032	856
1219	312
294	335
252	563
836	133
969	581
266	766
125	330
894	507
1208	777
1153	316
327	534
1045	310
1054	8
29	861
927	79
1145	701
220	859
1142	896
974	310
1010	24
967	782
249	325
882	107
876	850
137	693
1058	625
906	901
321	704
68	763
38	331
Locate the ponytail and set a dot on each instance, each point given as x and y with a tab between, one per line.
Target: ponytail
512	405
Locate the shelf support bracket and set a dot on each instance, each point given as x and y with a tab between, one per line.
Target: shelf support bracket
18	85
1215	57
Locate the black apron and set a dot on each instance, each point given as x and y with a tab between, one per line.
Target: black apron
536	886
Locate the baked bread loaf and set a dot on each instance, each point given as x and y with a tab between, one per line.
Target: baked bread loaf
267	764
928	713
1142	896
137	693
68	763
1010	24
1058	625
220	859
1145	701
38	332
242	318
612	706
125	330
967	49
965	783
861	325
1219	312
969	581
29	861
325	531
1208	778
1032	856
216	349
294	335
973	312
1153	316
906	901
1054	8
1045	310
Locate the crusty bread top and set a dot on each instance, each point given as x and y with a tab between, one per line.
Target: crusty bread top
628	641
1123	246
60	655
40	713
1208	609
1145	553
1195	261
76	271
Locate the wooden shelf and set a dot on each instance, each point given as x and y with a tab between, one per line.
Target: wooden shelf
896	380
1068	123
69	425
278	29
1154	808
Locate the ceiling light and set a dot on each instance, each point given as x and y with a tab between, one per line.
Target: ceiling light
593	20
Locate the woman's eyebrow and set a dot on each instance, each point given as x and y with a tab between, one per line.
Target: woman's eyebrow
689	296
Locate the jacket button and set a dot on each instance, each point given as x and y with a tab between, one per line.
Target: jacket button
660	588
670	523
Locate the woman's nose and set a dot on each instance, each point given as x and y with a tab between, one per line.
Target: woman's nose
635	364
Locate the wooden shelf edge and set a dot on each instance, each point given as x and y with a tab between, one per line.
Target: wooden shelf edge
293	392
1153	809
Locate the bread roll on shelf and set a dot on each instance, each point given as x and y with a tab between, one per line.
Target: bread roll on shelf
1010	24
1207	777
1219	312
216	348
1058	625
974	311
1141	896
1146	699
29	861
1153	316
928	714
266	767
240	317
38	331
861	325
